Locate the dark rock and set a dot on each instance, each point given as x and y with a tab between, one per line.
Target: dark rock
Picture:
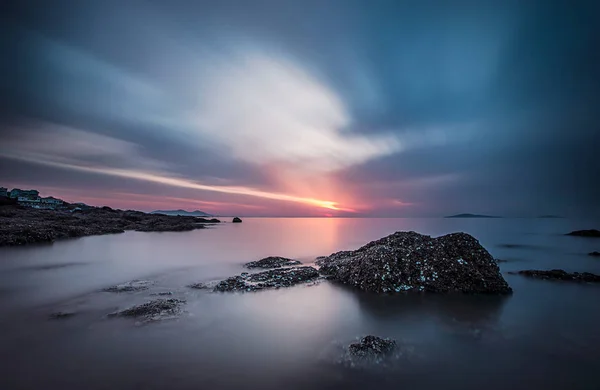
585	233
372	346
198	286
236	220
204	220
272	262
61	315
594	253
164	293
154	310
276	278
169	227
134	285
559	274
409	261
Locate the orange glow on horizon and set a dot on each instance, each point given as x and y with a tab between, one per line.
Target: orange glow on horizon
184	183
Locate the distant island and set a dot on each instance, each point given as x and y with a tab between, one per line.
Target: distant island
472	216
195	213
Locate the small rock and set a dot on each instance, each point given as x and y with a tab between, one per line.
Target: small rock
236	220
594	253
559	274
198	286
153	310
585	233
272	262
372	346
165	293
134	285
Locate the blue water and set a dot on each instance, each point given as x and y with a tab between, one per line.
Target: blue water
543	336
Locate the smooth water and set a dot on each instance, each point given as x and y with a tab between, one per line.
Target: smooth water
544	336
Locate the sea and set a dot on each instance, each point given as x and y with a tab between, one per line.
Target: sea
546	335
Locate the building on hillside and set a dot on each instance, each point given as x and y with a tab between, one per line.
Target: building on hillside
3	192
29	202
19	193
51	202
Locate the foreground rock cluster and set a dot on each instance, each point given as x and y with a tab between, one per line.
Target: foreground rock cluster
561	275
276	278
409	261
272	262
20	226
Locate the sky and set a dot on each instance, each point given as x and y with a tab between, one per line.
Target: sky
305	108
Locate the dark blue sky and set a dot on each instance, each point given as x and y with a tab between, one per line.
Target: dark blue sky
382	108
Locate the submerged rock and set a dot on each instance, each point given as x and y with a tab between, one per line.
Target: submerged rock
372	346
559	274
164	293
372	353
272	262
134	285
585	233
154	310
236	220
409	261
282	277
594	253
198	286
61	315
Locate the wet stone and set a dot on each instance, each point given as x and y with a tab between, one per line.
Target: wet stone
560	275
372	346
198	286
154	310
409	261
276	278
272	262
134	285
372	353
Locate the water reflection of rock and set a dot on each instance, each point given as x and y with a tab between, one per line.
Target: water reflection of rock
472	316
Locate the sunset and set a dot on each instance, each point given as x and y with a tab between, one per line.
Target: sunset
299	194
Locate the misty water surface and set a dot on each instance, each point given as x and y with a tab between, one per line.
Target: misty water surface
543	336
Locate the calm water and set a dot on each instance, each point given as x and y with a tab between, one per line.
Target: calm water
543	336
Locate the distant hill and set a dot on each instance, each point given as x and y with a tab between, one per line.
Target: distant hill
472	216
196	213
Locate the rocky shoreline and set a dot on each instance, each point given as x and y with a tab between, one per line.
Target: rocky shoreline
22	226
